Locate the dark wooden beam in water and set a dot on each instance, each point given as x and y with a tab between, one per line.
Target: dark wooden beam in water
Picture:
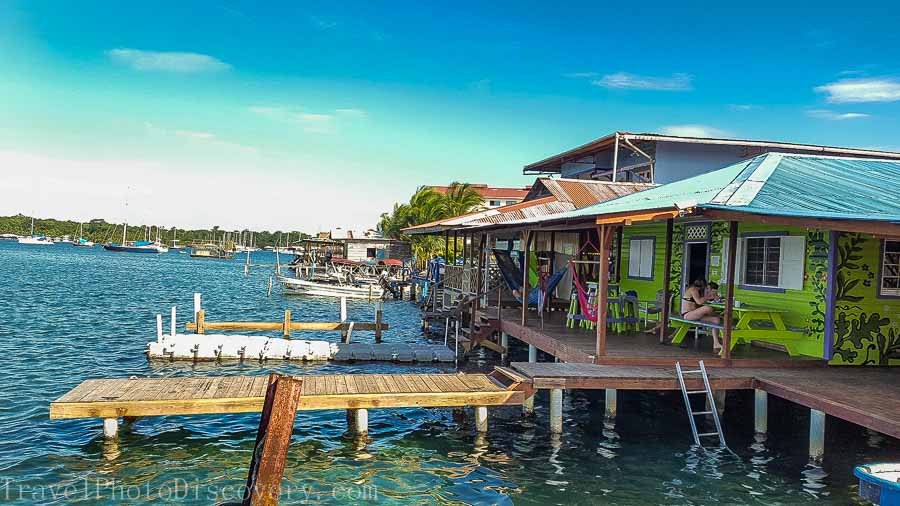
272	441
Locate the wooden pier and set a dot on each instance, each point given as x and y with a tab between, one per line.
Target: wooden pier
113	398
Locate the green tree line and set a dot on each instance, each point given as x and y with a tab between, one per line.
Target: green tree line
427	205
100	231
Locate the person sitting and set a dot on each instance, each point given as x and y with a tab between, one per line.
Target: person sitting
694	307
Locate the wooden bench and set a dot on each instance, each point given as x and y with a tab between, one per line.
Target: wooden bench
682	327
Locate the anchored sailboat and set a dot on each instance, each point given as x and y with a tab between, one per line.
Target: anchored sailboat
36	240
82	241
134	246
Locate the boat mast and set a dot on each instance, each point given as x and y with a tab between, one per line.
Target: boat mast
32	225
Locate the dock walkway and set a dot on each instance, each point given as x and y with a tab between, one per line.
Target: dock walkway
113	398
869	397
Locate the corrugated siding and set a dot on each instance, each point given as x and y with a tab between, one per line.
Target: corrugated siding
583	193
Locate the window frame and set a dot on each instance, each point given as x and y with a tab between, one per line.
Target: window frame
652	239
765	261
882	257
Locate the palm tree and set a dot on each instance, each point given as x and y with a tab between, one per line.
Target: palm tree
461	198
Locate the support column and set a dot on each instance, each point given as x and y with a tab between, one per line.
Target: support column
604	234
525	239
556	403
528	405
667	273
358	421
761	411
504	342
481	419
110	428
729	296
611	398
816	434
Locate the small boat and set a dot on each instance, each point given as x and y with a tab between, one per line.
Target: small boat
329	288
879	483
211	251
82	241
36	240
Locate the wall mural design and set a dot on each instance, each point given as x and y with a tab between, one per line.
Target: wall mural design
817	276
676	265
866	328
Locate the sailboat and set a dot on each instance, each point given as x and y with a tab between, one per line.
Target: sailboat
36	240
175	246
82	241
135	246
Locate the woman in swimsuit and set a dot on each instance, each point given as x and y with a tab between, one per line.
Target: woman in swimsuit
693	307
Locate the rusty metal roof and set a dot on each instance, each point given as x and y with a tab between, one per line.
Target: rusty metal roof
585	192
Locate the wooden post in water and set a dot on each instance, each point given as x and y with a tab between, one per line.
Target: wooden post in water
481	419
604	234
272	441
378	315
174	323
343	318
201	320
159	326
760	411
287	323
556	405
358	421
816	434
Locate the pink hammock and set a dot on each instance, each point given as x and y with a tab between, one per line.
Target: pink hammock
588	310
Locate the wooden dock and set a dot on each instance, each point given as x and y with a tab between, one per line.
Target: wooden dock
113	398
869	397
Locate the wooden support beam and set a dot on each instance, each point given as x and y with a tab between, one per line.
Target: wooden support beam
729	283
272	441
378	316
276	326
628	218
620	232
481	419
610	398
525	239
287	323
201	317
604	234
667	274
816	434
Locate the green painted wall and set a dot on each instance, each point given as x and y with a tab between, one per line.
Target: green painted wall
867	328
646	289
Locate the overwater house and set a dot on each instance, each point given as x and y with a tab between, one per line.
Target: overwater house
375	249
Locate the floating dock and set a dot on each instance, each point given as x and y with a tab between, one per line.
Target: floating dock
113	398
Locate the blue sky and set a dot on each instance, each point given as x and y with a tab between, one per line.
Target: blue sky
279	110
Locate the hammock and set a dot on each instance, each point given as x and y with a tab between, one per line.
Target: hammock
588	310
512	275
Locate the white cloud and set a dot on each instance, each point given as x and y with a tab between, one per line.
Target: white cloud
832	115
743	107
160	61
625	80
351	112
190	134
310	122
315	118
869	89
695	131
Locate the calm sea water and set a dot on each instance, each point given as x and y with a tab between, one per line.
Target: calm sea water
68	314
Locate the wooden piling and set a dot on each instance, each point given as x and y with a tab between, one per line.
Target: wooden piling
201	317
556	404
378	316
110	428
481	419
287	323
174	323
343	318
610	401
816	434
761	411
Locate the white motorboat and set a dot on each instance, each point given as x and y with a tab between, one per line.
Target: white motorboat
329	289
36	240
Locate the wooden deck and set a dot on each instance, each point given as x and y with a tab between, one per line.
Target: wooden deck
869	397
112	398
579	345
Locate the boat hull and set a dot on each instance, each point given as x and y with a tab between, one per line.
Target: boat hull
304	287
131	249
36	241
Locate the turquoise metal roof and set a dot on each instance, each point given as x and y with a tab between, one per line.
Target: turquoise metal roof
776	184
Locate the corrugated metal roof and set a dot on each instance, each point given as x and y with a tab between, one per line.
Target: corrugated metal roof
586	192
777	184
547	206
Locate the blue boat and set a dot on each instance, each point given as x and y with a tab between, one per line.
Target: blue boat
879	483
135	246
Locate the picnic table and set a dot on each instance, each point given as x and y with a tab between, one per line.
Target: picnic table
772	331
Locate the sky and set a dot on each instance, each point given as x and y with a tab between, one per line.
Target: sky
314	115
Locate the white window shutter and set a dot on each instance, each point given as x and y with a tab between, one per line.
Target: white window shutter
739	262
647	258
723	264
793	257
634	258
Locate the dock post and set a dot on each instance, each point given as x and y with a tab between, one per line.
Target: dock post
761	411
110	428
528	405
816	434
197	306
201	322
481	419
378	316
343	318
287	323
610	400
504	343
159	326
556	406
358	421
174	322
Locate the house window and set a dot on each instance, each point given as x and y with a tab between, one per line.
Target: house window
510	202
890	269
371	252
494	203
763	263
640	257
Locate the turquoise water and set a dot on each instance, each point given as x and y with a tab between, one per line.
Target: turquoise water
67	314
